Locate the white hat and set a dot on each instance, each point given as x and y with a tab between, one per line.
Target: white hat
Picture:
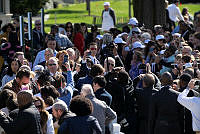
133	21
162	52
136	29
38	68
160	37
146	41
99	37
119	40
138	44
146	35
176	34
106	4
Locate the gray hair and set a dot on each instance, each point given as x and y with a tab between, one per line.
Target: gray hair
71	50
87	89
49	50
60	105
107	38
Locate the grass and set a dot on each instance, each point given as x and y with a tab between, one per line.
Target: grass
76	13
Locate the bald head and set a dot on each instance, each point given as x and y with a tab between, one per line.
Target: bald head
166	79
148	80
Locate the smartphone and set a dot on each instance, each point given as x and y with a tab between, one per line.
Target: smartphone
65	59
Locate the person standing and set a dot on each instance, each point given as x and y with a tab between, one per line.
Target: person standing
174	12
108	17
25	120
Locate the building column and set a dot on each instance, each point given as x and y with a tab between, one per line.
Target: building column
7	7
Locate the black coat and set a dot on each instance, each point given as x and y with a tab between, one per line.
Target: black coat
144	102
165	112
80	125
27	121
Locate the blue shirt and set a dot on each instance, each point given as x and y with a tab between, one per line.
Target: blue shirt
41	57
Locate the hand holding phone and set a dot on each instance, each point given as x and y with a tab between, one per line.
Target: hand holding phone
65	59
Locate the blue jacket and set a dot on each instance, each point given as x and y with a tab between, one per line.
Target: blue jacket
67	92
84	80
103	95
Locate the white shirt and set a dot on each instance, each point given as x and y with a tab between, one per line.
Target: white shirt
107	21
193	104
94	60
174	13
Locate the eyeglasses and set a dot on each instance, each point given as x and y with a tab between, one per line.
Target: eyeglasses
52	64
110	64
93	48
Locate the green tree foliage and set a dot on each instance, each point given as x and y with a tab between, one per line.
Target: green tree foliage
20	7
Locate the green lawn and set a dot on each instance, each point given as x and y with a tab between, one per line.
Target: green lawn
76	13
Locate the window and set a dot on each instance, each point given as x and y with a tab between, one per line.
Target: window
1	5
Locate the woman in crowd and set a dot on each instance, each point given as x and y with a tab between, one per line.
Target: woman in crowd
46	118
69	30
13	67
78	38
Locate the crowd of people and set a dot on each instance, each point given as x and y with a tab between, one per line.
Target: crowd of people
72	81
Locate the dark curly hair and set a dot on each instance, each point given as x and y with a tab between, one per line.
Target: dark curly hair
49	90
81	106
4	28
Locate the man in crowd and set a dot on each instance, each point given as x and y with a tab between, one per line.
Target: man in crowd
174	12
62	40
101	111
37	36
22	78
99	83
26	119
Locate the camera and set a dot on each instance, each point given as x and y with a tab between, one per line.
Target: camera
142	68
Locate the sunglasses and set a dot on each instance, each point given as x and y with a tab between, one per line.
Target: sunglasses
93	48
39	106
51	64
110	64
38	24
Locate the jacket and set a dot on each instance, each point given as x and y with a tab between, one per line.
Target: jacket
84	80
102	112
144	100
12	85
80	125
27	121
112	14
165	112
103	95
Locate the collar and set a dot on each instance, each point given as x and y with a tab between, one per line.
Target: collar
62	117
90	96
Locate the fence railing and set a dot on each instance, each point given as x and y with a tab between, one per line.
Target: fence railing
119	20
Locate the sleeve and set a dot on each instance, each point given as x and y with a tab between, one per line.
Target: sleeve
37	59
69	43
50	128
188	102
4	81
96	127
110	114
63	128
113	16
180	16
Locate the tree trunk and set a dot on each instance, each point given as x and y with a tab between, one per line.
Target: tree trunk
149	12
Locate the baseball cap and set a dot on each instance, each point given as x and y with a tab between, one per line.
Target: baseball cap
133	21
176	34
138	44
106	4
160	37
99	37
119	40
